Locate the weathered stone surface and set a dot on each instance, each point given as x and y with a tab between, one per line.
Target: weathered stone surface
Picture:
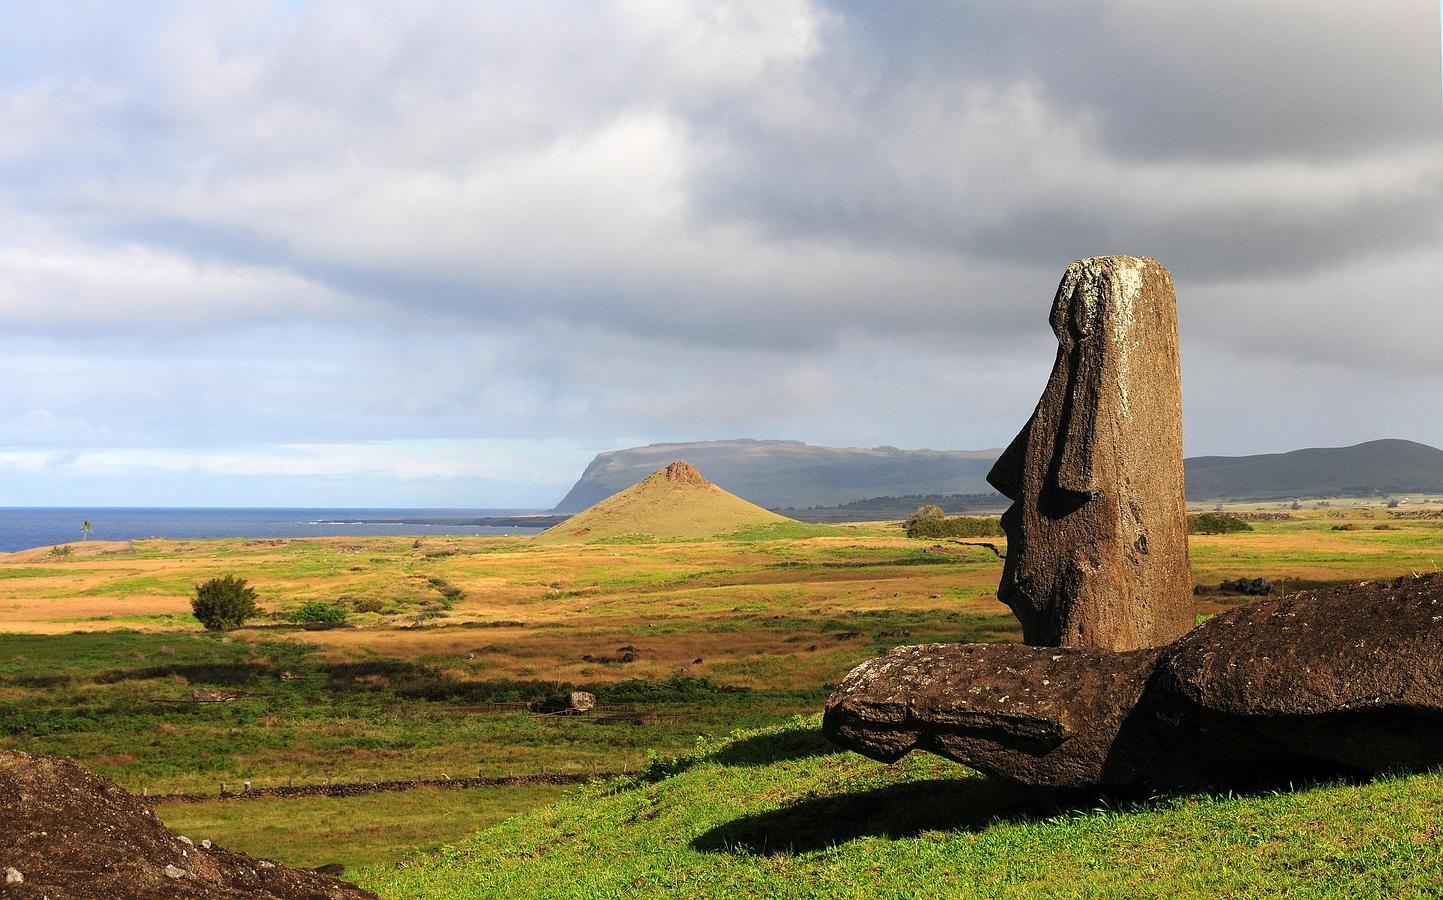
1370	645
1039	715
1351	675
1115	691
1348	678
1097	533
79	836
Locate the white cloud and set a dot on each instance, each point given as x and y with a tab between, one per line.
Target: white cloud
499	460
245	233
52	289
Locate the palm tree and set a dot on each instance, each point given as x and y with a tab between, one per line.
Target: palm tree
85	529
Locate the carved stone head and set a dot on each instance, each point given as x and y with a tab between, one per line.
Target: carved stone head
1097	531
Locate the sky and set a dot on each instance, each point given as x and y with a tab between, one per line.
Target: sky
441	254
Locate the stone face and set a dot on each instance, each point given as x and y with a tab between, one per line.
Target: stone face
1349	678
1097	532
1114	688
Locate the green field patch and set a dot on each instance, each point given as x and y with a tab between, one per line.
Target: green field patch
39	572
168	620
779	531
354	831
151	585
780	813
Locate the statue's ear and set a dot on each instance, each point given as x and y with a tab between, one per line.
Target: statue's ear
1075	464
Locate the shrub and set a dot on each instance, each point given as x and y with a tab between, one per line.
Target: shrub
1216	523
930	522
61	552
224	602
317	612
368	605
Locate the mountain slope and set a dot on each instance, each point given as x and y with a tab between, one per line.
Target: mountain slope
778	474
1387	466
675	502
781	474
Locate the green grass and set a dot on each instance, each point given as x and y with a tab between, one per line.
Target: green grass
37	572
779	531
118	702
772	610
371	829
780	813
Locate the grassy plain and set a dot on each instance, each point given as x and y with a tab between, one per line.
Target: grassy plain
99	659
780	813
370	829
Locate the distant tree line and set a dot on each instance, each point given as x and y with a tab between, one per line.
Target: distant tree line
931	522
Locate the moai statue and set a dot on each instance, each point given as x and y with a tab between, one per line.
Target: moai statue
1097	531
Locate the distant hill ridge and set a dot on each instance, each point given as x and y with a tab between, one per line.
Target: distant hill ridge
796	475
675	502
1377	467
779	474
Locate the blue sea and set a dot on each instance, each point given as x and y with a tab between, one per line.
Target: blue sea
25	527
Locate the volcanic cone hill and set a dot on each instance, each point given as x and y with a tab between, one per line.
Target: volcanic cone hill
674	502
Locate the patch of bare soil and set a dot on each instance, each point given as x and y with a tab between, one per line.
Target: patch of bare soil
69	834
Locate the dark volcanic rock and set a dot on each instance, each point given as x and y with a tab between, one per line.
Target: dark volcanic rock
78	836
1097	566
1351	676
1374	645
1344	679
1039	715
1252	587
1097	532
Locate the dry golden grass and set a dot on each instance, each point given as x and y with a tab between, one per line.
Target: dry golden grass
675	502
756	612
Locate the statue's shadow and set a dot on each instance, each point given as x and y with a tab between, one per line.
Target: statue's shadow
956	804
896	811
766	749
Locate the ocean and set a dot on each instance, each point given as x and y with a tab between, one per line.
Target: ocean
25	527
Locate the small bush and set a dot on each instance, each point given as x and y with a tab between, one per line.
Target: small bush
223	603
61	552
1216	523
931	522
317	612
368	605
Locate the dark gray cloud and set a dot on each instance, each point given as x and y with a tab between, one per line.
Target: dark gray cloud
331	224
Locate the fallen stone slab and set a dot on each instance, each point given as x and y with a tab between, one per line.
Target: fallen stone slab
1037	715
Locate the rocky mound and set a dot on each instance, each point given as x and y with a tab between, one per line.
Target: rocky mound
1346	679
675	502
69	834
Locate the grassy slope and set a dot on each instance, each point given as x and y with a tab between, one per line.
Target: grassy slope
367	830
778	813
665	509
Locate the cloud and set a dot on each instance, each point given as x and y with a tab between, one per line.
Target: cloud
268	225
